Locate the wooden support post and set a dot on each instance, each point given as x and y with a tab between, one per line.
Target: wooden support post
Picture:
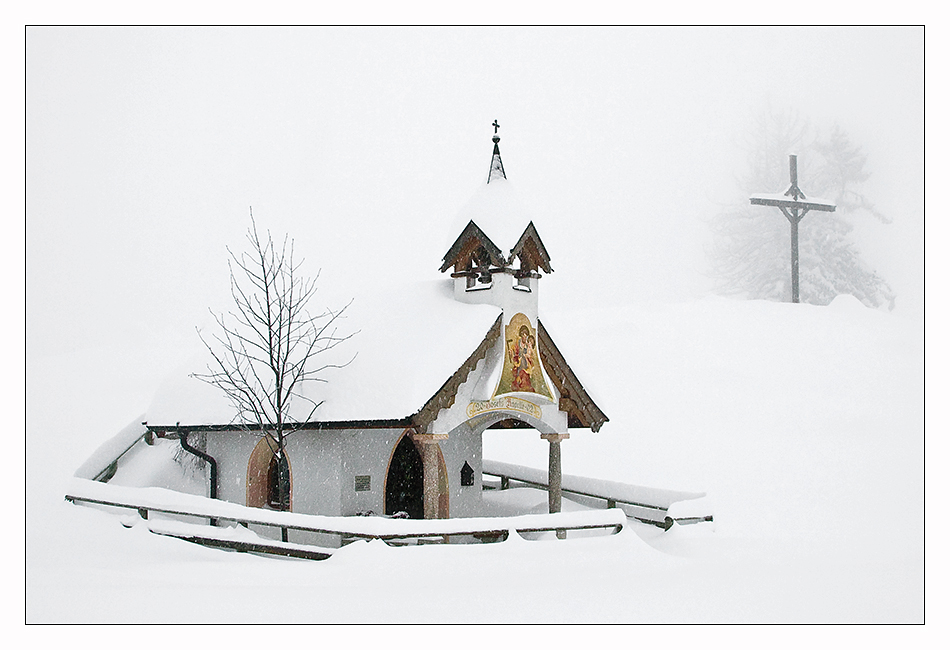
430	481
554	473
430	472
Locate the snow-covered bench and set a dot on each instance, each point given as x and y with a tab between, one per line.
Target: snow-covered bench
646	504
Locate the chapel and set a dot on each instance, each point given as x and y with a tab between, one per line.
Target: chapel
440	360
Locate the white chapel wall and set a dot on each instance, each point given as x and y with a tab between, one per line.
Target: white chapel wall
366	453
464	501
315	461
232	450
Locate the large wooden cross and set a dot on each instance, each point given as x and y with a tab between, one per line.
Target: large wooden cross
794	206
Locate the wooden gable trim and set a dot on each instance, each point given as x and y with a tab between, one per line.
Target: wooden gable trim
581	411
445	396
531	249
471	238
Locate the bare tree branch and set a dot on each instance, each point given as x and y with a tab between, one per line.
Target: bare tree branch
263	354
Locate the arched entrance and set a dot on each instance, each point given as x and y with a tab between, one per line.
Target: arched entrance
515	415
404	481
262	476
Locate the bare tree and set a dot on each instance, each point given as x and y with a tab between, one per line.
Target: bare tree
264	352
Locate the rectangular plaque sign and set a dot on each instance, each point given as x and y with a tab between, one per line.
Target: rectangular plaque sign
506	403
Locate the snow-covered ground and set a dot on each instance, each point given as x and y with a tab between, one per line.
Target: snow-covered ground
803	424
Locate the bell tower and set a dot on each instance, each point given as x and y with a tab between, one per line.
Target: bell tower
483	273
521	379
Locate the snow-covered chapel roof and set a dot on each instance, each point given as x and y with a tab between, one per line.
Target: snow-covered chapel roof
412	344
408	340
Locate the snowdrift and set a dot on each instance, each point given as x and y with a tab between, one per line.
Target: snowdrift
803	425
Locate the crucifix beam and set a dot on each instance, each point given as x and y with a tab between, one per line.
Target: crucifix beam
785	204
794	205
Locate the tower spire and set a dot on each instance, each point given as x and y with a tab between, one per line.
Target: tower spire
497	169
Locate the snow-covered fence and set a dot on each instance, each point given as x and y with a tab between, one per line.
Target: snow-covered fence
645	504
237	538
168	502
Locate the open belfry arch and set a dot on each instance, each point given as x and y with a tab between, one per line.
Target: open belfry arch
438	362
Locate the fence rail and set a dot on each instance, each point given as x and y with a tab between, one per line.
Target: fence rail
648	505
347	529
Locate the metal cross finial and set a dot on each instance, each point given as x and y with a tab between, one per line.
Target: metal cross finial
496	125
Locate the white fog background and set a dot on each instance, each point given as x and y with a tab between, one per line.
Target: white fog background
147	146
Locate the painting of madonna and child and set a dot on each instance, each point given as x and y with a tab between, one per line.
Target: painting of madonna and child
522	372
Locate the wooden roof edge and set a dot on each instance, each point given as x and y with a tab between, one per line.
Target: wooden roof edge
445	396
531	232
593	416
472	230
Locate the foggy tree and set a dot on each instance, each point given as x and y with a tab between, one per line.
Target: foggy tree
265	348
750	253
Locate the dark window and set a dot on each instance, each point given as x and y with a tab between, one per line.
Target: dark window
274	499
468	475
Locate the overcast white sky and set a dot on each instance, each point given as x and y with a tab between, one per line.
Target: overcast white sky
146	146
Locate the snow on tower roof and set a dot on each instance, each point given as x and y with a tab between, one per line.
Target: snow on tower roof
499	210
496	207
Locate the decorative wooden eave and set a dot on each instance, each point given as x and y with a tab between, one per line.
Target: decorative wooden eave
531	251
581	411
466	248
445	397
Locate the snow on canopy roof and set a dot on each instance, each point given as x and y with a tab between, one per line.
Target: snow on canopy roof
499	210
409	339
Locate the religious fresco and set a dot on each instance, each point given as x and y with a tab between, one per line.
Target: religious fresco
521	372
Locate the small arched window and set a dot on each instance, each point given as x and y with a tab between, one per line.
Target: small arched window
274	499
263	473
467	475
